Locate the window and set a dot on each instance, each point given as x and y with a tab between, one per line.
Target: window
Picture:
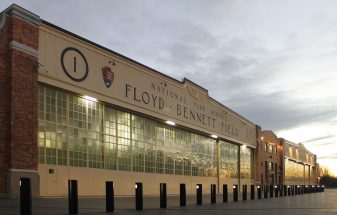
77	132
229	161
245	162
270	149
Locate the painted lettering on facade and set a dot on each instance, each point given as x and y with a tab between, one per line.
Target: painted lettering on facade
161	97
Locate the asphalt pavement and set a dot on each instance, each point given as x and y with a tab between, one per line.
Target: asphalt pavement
305	204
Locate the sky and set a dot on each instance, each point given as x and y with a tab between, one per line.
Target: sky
273	62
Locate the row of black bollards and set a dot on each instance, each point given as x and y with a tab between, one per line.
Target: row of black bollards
279	190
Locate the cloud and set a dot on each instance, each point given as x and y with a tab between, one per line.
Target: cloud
319	138
324	144
328	157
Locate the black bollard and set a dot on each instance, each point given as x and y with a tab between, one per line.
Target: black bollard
306	189
292	190
271	191
109	196
199	194
25	197
289	190
213	193
244	192
163	195
276	190
139	195
323	187
285	190
252	192
259	193
182	195
73	196
224	193
265	192
297	190
312	188
235	193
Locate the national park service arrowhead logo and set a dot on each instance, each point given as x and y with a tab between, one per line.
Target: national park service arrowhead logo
193	92
108	76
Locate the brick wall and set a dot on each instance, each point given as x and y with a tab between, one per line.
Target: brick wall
18	101
4	103
23	145
270	138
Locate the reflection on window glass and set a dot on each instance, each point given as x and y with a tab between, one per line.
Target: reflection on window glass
229	161
294	171
245	162
77	132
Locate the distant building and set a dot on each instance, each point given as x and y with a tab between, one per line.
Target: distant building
270	159
300	165
280	161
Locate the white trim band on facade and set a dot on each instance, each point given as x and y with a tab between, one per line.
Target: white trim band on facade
23	14
21	47
23	170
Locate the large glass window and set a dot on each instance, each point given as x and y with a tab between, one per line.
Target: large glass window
245	162
78	132
110	140
294	171
229	160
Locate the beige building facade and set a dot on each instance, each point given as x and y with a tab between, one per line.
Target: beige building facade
99	116
104	115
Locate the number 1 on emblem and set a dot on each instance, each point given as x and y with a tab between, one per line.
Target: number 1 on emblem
74	64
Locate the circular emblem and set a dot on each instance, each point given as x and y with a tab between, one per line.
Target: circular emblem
74	64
